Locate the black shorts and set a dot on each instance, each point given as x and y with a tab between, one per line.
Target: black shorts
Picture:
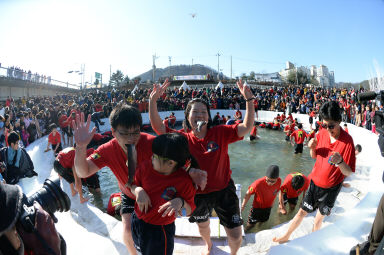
127	204
92	181
252	137
259	215
66	173
64	130
287	137
311	120
321	198
299	148
152	239
226	205
292	201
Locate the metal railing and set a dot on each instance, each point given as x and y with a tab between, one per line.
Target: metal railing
16	74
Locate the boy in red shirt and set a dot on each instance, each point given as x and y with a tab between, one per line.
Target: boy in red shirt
293	185
253	134
54	138
335	157
299	136
162	188
265	191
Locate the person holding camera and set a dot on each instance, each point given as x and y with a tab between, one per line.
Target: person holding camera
15	161
27	223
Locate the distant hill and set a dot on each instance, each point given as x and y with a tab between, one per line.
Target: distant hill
177	71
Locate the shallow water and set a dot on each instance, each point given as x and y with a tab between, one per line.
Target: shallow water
249	161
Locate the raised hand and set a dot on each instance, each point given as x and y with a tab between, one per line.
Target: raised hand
81	130
158	90
244	90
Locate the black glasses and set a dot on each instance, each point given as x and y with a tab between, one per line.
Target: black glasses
328	126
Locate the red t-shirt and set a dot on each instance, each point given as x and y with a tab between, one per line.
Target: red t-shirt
264	194
211	153
54	139
172	119
62	121
161	189
299	136
324	174
311	135
287	185
262	125
112	155
66	157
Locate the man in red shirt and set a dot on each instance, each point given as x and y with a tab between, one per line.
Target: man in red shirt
125	125
64	166
335	157
299	136
294	184
265	191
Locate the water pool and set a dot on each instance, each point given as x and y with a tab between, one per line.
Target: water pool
249	161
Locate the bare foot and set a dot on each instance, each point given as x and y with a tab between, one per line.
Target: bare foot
347	185
83	200
283	211
207	249
281	240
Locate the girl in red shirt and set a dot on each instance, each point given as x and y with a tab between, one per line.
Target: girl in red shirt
162	188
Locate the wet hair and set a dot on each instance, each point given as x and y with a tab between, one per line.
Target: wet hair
330	111
297	182
126	116
173	146
13	137
358	148
299	126
189	107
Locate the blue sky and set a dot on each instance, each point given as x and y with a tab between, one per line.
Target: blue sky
53	37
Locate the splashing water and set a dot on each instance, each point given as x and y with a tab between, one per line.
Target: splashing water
376	80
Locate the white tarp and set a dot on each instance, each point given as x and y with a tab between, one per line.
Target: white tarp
184	86
219	85
134	90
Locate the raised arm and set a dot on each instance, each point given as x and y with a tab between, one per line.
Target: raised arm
83	136
246	127
156	121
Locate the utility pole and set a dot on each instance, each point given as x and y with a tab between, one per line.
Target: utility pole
110	72
192	61
231	67
154	67
170	64
218	65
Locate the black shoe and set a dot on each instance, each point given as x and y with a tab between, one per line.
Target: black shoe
364	247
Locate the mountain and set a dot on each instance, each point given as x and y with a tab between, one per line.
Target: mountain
177	71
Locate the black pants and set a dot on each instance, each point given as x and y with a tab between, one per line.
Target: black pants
377	230
152	239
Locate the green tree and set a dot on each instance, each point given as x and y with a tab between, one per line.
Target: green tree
126	80
116	78
298	78
244	76
252	75
313	81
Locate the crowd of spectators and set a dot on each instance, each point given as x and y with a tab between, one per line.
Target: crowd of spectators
15	72
31	117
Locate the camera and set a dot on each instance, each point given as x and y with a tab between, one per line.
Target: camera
51	198
379	116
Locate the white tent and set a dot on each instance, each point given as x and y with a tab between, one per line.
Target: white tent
184	86
134	90
219	85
